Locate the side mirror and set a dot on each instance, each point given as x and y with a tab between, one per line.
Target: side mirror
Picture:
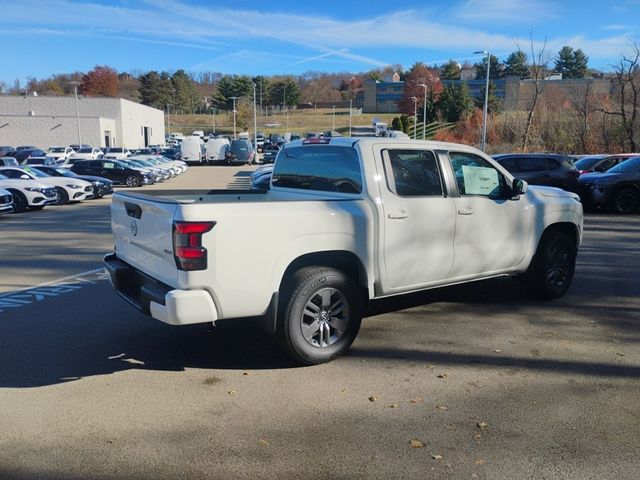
25	177
518	187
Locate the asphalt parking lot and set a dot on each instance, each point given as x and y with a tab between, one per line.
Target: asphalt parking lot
467	382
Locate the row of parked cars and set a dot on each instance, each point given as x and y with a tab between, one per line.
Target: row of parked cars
36	182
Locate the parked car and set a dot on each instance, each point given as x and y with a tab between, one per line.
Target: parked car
101	186
601	163
8	162
6	201
117	153
341	227
547	169
159	174
60	153
270	153
77	147
88	153
240	151
25	153
6	150
260	178
114	170
20	148
617	188
172	153
259	141
28	194
191	150
40	161
67	190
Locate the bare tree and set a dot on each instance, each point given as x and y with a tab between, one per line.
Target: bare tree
538	71
627	91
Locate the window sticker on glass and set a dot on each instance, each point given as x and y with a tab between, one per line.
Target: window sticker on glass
480	180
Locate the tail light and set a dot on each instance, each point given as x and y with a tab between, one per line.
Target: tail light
188	251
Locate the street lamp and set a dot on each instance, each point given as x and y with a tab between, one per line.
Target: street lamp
415	116
424	112
169	118
234	115
486	101
350	114
255	126
333	119
75	93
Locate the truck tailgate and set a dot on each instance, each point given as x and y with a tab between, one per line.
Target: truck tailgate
143	230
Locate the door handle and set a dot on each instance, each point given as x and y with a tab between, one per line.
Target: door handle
465	211
398	215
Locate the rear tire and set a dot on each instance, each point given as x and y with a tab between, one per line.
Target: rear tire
552	268
63	197
626	201
320	315
20	203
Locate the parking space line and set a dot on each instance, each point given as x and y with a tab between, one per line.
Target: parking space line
26	296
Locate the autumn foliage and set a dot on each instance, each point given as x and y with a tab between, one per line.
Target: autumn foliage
102	81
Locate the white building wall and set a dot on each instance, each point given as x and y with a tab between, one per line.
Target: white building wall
47	121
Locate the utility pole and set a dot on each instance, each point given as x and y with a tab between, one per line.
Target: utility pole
169	118
255	126
483	140
234	115
415	116
333	118
75	93
213	115
350	114
424	112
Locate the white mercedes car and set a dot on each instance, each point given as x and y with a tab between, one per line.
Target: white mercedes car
88	153
6	201
67	189
28	194
60	153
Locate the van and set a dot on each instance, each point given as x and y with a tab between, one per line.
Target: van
192	149
198	133
216	150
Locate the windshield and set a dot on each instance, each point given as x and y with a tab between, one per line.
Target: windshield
56	149
2	177
62	172
36	173
85	150
588	162
628	166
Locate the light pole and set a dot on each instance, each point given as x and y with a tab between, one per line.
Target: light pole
333	118
255	126
415	116
486	101
424	112
75	93
350	114
234	115
213	119
169	118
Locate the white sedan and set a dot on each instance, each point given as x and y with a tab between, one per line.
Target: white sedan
60	153
28	193
68	189
88	153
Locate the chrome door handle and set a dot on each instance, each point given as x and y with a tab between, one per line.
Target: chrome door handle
465	211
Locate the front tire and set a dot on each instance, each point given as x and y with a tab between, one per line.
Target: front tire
626	201
552	268
132	181
320	315
20	203
63	197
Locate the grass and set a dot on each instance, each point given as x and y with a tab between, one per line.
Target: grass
300	121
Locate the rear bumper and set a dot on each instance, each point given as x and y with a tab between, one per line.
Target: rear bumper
160	301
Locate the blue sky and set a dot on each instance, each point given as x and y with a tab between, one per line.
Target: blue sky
290	37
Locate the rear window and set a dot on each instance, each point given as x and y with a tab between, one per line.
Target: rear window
319	167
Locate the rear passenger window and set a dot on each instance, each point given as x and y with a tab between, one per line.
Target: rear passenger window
553	165
319	167
531	164
412	173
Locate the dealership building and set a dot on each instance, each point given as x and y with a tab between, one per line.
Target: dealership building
44	121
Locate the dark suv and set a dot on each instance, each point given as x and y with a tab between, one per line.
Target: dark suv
601	163
114	170
618	187
549	169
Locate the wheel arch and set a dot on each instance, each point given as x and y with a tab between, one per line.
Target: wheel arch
571	230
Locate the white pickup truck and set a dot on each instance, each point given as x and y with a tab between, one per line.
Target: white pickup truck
345	221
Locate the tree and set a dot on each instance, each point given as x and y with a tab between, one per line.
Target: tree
516	65
455	102
285	91
450	70
186	95
102	81
497	69
538	72
493	101
570	63
396	124
156	90
419	74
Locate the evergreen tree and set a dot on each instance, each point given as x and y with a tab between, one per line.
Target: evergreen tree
493	102
396	124
186	95
455	102
580	64
497	69
516	65
285	90
156	89
571	63
450	71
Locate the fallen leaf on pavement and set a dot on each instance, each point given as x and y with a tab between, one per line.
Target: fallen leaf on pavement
436	456
263	442
497	350
477	436
373	398
393	405
415	443
246	374
442	407
620	354
443	375
231	392
480	461
482	424
416	400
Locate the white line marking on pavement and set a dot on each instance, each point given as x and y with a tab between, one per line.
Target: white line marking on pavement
26	296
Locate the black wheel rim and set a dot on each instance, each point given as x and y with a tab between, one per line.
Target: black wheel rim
559	265
325	318
19	204
626	201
